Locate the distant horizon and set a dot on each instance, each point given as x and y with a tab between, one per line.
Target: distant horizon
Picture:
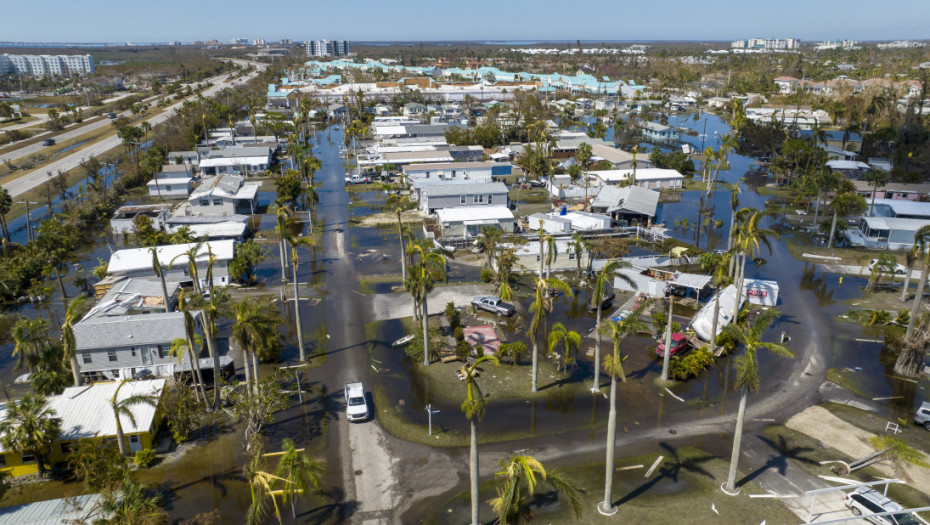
514	42
113	21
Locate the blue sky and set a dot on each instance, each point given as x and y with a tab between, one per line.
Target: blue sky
188	20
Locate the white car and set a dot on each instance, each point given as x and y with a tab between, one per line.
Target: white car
899	269
865	502
356	402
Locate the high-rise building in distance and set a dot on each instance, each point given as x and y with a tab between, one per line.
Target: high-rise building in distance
327	48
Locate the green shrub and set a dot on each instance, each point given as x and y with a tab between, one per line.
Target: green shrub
512	352
462	350
487	275
903	317
144	458
690	365
452	314
459	334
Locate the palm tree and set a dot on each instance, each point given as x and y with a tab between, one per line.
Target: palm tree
473	407
911	256
749	238
160	273
517	479
430	267
845	201
570	341
123	407
72	314
192	346
579	245
583	156
922	243
552	252
261	487
604	278
747	375
613	366
284	217
191	255
876	179
542	307
254	330
734	207
296	242
398	204
29	337
300	471
30	428
716	266
488	241
544	238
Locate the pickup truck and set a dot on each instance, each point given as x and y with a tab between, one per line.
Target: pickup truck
356	179
493	305
356	403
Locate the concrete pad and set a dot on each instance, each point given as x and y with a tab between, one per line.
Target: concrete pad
398	305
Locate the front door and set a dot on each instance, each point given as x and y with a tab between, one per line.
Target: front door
135	444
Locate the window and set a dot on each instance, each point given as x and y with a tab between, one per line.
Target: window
85	357
217	202
2	460
462	201
167	188
66	447
28	458
132	351
162	351
203	202
479	198
490	199
111	354
571	256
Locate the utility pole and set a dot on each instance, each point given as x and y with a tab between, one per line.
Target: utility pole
668	337
29	235
296	370
430	412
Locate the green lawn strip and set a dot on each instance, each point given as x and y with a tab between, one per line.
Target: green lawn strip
681	490
848	379
912	434
367	281
806	453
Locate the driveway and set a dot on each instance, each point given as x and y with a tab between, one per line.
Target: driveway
397	305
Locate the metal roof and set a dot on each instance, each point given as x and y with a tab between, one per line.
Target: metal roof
474	213
446	190
451	166
691	280
133	259
158	328
630	199
54	511
903	208
85	411
228	186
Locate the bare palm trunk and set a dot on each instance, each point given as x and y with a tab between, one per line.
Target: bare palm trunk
606	506
907	282
283	253
75	370
730	242
832	230
425	318
713	323
535	361
195	367
120	437
255	370
61	285
918	300
300	332
596	386
164	291
473	471
737	441
211	348
668	338
403	257
246	366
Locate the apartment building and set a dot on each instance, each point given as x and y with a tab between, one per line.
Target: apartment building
328	48
47	65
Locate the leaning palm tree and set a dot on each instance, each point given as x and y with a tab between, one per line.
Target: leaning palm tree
301	472
747	375
30	427
473	407
160	273
922	243
261	488
583	156
613	366
190	345
911	256
68	343
542	307
604	278
123	407
845	201
398	204
190	255
517	485
570	341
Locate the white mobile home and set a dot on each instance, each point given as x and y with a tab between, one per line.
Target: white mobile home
123	219
758	291
174	181
137	262
437	197
550	223
466	222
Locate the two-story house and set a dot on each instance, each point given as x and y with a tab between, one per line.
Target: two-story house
117	347
224	195
438	197
173	181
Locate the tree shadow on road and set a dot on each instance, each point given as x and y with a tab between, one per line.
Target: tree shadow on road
671	468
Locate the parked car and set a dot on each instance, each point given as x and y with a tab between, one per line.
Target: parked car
922	416
48	142
111	116
865	501
679	344
899	269
494	305
356	179
605	302
619	318
356	403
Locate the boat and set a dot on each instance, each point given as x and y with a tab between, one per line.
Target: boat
403	340
702	322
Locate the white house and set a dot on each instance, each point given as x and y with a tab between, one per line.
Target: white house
213	227
236	160
584	221
471	171
648	178
550	223
437	197
467	221
224	195
173	181
659	133
122	221
137	262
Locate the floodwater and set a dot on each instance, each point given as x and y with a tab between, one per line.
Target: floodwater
334	332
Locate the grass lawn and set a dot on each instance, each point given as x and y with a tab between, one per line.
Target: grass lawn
681	490
529	195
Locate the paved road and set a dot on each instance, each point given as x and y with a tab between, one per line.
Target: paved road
861	271
35	178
